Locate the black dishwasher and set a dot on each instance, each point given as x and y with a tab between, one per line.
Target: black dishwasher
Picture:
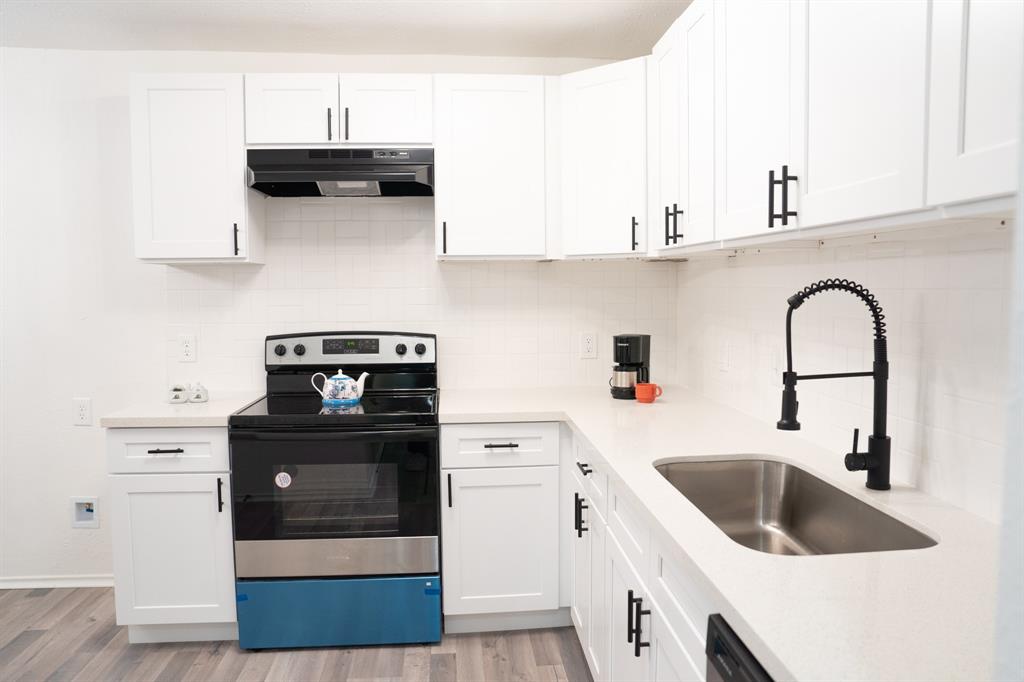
728	659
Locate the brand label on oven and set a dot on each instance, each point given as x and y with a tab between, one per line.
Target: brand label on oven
283	479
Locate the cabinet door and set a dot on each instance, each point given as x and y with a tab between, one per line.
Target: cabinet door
603	159
291	108
697	124
752	71
173	553
489	165
663	143
668	659
500	540
859	79
598	635
974	111
623	588
188	165
386	108
579	560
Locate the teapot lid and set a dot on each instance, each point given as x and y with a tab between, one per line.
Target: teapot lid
341	375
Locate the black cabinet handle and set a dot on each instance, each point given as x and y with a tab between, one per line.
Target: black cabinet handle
635	244
580	506
220	494
676	212
667	236
346	123
640	613
329	126
160	451
449	491
576	516
491	446
444	237
786	214
236	238
584	469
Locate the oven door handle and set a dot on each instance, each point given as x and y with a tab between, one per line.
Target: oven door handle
335	435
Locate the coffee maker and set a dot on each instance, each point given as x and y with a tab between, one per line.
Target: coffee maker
632	354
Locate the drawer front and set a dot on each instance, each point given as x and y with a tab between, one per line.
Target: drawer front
684	601
590	471
499	445
163	451
630	529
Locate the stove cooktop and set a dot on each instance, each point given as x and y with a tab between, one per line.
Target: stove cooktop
390	409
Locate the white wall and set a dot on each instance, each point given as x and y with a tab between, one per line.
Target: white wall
946	305
81	316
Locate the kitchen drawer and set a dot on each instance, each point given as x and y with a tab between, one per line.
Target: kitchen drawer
629	527
499	445
167	451
592	474
679	591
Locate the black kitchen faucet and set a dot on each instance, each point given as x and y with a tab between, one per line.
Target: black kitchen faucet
876	460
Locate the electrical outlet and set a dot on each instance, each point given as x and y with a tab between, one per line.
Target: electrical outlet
588	345
85	512
81	411
187	350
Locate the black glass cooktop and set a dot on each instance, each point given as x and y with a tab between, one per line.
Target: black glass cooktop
413	409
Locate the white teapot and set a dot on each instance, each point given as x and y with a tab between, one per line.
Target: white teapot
340	390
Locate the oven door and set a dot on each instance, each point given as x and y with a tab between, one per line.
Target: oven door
334	502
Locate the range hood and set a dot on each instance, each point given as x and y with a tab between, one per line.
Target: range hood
342	172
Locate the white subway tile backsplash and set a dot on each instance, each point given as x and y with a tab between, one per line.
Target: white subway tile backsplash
946	306
369	264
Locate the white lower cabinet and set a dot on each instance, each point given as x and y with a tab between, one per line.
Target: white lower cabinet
499	529
173	560
667	658
589	604
629	617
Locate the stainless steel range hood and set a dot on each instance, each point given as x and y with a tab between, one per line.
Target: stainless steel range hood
342	172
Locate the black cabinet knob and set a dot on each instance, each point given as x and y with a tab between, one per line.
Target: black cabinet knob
401	349
279	349
420	349
299	349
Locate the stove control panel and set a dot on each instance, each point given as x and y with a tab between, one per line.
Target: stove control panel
348	349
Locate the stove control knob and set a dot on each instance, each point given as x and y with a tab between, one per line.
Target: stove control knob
420	349
299	349
279	349
401	349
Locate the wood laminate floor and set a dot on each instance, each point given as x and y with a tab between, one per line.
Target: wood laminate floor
69	634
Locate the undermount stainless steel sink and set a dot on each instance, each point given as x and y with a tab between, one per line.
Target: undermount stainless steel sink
779	508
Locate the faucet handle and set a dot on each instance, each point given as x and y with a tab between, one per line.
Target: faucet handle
856	461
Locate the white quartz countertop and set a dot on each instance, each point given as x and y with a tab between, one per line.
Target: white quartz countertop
157	414
924	614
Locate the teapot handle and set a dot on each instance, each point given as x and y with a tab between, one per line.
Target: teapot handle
312	380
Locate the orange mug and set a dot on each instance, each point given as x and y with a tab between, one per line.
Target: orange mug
646	393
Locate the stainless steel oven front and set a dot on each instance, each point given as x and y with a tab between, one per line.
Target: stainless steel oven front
332	502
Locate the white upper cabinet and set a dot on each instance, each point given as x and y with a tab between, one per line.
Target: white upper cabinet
681	78
188	169
752	114
977	52
664	158
386	108
291	108
489	166
696	224
604	182
858	88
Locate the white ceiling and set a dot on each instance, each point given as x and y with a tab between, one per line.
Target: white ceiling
606	29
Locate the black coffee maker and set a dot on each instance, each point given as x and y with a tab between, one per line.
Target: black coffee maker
632	364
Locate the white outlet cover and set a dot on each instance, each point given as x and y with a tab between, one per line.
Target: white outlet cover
81	412
187	350
588	345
